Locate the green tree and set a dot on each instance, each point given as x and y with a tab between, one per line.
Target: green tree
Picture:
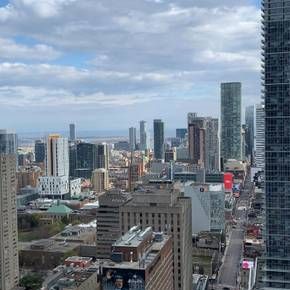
31	282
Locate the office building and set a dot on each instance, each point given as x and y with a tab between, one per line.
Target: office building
250	132
140	259
260	137
132	138
165	211
55	183
181	133
122	146
9	270
158	127
72	132
231	121
108	221
208	206
100	180
39	151
86	159
103	156
170	155
275	78
203	142
143	136
8	142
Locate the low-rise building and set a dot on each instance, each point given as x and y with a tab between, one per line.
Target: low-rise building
139	260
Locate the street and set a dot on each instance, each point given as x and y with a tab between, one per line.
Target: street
229	271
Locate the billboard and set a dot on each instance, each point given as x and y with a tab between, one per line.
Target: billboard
228	181
123	279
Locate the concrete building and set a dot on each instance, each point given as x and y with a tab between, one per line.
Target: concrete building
203	141
250	118
143	136
108	221
27	176
231	121
8	142
139	260
260	137
158	127
208	206
56	179
9	270
100	180
103	156
72	132
170	155
165	211
77	273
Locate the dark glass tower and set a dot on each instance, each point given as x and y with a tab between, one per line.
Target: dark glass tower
158	127
276	76
39	151
8	142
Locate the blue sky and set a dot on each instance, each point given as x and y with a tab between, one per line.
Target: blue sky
105	65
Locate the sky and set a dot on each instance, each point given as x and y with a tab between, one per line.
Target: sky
106	64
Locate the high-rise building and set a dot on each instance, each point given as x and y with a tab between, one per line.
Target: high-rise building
276	59
231	121
132	138
103	156
169	212
72	132
39	151
108	225
9	269
203	141
86	159
8	142
56	179
158	127
250	131
181	133
100	180
143	136
260	137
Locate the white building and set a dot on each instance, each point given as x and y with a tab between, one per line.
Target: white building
56	179
260	137
75	187
208	206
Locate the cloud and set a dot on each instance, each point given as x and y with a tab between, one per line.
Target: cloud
169	50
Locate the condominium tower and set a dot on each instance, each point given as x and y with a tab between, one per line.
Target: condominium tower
158	127
276	59
231	121
143	136
132	138
9	270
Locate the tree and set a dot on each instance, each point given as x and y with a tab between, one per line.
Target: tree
31	282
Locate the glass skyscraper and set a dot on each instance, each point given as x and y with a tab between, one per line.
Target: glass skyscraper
231	121
8	142
158	127
276	77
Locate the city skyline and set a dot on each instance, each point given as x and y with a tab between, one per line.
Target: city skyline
82	72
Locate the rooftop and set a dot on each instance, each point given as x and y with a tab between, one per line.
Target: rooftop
59	209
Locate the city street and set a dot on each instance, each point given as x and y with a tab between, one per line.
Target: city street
229	271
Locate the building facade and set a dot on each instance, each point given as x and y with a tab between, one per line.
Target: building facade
165	211
108	221
231	121
72	132
132	138
276	59
8	142
143	136
158	127
260	137
39	151
100	180
250	119
9	269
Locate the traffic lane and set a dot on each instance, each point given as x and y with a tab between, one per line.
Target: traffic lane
230	269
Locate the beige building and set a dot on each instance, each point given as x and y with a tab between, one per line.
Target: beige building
108	221
165	211
100	180
28	176
9	271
